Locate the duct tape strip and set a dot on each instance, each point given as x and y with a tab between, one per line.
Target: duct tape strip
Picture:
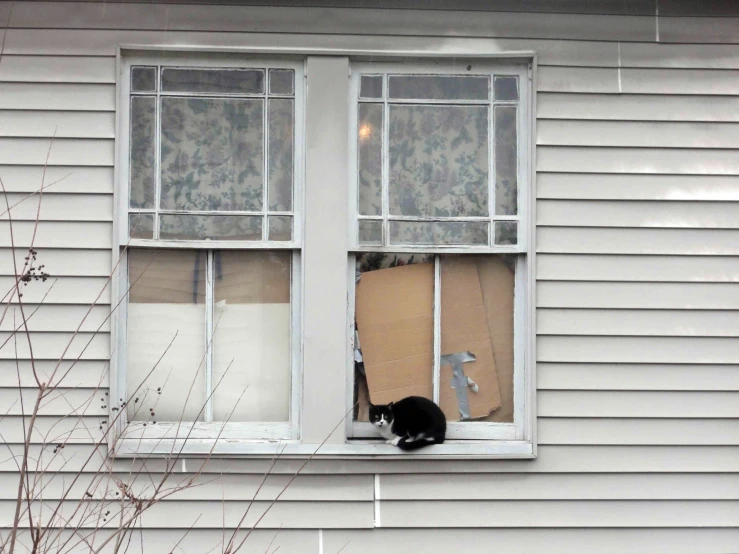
460	382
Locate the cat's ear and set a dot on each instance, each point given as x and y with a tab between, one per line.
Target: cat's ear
390	405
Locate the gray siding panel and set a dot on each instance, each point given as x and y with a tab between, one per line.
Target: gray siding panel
637	271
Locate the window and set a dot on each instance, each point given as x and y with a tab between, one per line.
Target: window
439	240
300	236
211	189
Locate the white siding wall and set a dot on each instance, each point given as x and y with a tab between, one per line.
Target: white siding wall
638	272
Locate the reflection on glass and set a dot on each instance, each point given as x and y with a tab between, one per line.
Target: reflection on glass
142	150
141	226
370	232
370	86
280	227
439	232
438	160
281	81
166	303
506	233
439	87
229	81
506	88
506	160
143	79
212	154
370	159
251	345
281	124
214	227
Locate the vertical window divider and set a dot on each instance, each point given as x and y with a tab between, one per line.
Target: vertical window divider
265	170
209	335
437	330
491	163
158	150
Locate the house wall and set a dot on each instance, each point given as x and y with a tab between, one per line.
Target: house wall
637	271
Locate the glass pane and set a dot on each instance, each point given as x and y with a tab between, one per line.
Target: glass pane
370	86
281	124
143	79
506	232
212	154
506	158
229	81
281	81
439	87
439	160
439	232
477	317
280	227
143	152
370	232
214	227
395	329
506	88
370	159
166	302
141	226
252	334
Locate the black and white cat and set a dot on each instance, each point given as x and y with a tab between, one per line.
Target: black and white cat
410	423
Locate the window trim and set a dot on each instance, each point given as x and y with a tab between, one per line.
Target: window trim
467	431
337	446
164	433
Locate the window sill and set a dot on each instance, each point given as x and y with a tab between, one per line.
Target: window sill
456	450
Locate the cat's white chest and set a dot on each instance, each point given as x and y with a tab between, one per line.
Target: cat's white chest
386	432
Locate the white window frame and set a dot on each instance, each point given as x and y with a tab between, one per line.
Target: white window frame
469	430
131	435
325	291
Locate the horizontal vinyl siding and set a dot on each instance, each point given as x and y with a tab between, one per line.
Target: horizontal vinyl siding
637	281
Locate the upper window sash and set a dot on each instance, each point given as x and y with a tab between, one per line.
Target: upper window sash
385	99
254	98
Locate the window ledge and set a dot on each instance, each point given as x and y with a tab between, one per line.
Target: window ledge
156	448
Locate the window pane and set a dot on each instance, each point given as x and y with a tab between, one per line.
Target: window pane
141	226
143	79
370	232
439	87
370	86
143	152
281	81
230	81
214	227
477	317
252	333
506	88
394	322
281	124
212	154
506	232
439	232
370	159
506	158
166	302
439	160
280	227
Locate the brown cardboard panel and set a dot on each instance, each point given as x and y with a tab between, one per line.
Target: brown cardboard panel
464	327
497	280
395	320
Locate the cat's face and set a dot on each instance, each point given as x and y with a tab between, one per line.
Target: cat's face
381	416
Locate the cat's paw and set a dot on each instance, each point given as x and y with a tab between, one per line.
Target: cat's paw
395	441
390	441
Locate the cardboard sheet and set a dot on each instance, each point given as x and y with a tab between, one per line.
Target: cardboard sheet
464	327
498	284
395	319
